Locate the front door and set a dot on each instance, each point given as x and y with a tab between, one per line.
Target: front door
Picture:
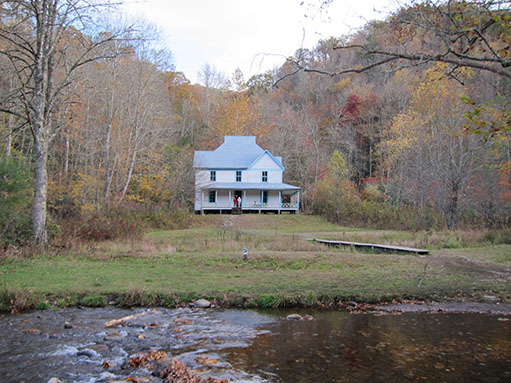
265	198
238	193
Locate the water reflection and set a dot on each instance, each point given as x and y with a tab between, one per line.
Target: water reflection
339	347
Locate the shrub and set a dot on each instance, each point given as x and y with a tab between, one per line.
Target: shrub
15	202
68	301
268	301
131	298
5	300
371	193
19	300
42	305
94	300
344	206
498	237
119	224
168	219
98	227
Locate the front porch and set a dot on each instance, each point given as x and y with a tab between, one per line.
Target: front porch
251	201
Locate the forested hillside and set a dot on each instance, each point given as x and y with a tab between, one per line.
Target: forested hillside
404	124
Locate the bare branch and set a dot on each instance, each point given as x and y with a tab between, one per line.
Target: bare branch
286	76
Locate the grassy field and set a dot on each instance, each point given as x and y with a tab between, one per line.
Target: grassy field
170	267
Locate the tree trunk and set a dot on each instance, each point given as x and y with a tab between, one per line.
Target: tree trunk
452	218
136	132
9	137
130	172
40	189
66	155
9	128
108	179
370	158
108	134
42	78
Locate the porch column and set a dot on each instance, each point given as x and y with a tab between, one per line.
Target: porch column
298	201
280	199
243	200
230	199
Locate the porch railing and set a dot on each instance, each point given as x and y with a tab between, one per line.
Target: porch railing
253	205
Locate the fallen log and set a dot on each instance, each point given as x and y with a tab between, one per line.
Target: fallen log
122	321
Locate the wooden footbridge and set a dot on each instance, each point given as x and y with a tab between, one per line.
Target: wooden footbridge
371	246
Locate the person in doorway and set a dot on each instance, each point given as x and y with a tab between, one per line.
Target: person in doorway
239	201
235	202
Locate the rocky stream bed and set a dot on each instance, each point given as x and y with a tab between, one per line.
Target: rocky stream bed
435	342
84	345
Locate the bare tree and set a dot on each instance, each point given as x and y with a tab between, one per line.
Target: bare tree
460	33
145	106
213	81
47	41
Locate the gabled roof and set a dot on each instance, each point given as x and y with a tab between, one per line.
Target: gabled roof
277	160
237	152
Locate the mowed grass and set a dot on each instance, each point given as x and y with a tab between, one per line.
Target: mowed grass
206	260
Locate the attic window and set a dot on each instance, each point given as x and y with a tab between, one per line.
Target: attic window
238	175
212	175
264	176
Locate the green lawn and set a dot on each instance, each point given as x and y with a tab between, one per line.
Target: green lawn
282	268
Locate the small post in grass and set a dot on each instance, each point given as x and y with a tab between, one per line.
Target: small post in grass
245	254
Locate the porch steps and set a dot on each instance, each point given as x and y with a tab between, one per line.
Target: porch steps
236	210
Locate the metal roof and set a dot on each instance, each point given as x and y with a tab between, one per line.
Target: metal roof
237	152
249	186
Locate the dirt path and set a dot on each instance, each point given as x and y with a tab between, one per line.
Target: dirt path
228	221
468	266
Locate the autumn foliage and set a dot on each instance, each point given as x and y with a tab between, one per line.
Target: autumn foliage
434	134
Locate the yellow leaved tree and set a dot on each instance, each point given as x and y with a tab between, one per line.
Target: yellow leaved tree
427	150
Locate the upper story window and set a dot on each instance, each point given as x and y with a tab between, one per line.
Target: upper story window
212	175
238	175
264	176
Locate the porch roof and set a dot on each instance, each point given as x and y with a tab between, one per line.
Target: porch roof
249	186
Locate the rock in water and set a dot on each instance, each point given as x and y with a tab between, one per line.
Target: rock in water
54	380
202	303
68	325
294	317
88	353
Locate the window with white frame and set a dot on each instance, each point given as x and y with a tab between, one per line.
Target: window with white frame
212	196
264	176
212	175
238	175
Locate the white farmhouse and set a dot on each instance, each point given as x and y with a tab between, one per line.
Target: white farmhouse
241	168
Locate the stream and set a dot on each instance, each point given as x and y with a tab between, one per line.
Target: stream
438	344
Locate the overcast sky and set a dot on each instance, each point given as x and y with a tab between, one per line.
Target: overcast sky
253	35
